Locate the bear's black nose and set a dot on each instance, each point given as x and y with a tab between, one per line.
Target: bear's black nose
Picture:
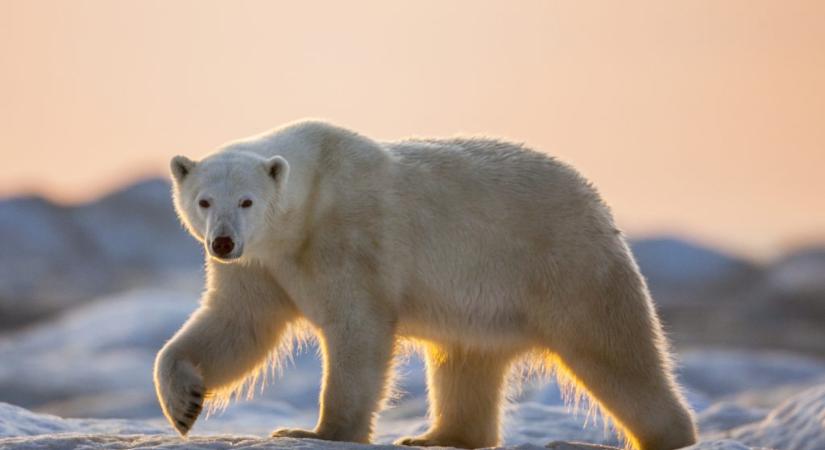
222	245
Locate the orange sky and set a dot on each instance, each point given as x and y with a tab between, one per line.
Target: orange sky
705	118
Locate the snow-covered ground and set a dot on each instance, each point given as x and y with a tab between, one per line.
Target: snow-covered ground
795	424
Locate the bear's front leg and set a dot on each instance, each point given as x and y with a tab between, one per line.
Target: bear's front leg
357	359
225	341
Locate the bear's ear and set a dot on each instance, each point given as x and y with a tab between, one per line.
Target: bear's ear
181	167
278	169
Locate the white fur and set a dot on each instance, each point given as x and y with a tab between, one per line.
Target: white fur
482	250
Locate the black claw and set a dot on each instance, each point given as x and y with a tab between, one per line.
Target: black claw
195	406
196	394
181	424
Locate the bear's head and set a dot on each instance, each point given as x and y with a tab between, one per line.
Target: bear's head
227	199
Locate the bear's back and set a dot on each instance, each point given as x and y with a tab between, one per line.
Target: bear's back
492	171
490	193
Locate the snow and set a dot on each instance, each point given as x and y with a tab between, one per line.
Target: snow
721	373
172	443
105	347
796	424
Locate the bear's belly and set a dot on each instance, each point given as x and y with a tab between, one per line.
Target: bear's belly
453	325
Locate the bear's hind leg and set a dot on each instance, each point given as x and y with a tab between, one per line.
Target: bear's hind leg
622	362
640	398
466	389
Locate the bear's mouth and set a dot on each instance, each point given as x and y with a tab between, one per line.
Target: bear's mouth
225	259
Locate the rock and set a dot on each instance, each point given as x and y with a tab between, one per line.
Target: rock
57	256
672	266
49	262
137	228
784	310
797	281
708	298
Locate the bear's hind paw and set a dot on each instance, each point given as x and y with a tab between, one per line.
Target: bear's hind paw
295	433
426	441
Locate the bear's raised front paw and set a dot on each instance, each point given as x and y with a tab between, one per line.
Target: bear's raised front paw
191	404
182	393
296	433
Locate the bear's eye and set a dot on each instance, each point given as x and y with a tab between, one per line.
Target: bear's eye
246	203
203	204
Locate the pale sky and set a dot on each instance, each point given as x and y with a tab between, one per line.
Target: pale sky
702	118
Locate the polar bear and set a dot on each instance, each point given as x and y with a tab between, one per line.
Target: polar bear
483	251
